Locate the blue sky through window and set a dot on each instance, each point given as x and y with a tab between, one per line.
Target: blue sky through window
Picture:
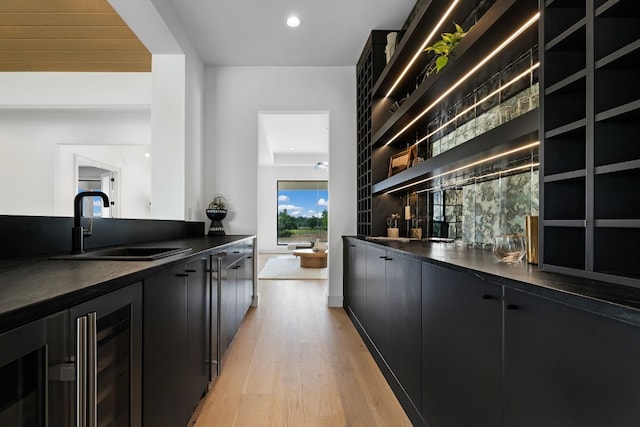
303	203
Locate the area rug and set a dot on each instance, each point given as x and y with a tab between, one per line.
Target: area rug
285	268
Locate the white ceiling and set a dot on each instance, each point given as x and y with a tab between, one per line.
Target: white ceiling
254	32
293	138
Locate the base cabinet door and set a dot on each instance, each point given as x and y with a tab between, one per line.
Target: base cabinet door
461	349
198	332
165	348
568	367
403	322
375	319
227	306
356	279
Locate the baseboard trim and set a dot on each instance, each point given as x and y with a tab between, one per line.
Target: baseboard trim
335	300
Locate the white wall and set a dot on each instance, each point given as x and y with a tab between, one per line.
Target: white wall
234	96
134	176
40	111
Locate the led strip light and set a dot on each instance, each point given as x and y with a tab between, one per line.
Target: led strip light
422	48
486	59
478	162
495	92
530	165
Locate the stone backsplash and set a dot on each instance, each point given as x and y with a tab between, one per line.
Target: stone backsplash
498	206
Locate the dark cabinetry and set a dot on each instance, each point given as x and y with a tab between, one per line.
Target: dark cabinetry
383	295
176	342
198	333
236	291
566	366
487	354
356	269
402	320
461	349
590	158
81	366
374	290
109	328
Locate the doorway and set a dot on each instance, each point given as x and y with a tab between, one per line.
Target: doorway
92	175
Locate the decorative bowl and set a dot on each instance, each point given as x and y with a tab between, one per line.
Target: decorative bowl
216	214
510	248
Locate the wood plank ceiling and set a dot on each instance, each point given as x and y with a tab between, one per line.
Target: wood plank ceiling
68	35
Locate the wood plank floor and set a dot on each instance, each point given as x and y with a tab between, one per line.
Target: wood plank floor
296	362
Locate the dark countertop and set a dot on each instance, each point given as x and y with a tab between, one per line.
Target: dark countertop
615	301
33	287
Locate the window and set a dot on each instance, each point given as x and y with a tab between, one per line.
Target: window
303	211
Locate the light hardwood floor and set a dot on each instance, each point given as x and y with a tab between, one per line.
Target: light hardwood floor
296	362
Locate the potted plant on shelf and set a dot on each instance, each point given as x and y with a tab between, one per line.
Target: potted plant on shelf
392	225
216	212
443	48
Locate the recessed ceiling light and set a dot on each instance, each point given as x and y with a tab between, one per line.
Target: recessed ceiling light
291	148
293	21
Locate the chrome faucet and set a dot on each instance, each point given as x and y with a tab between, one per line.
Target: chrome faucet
78	233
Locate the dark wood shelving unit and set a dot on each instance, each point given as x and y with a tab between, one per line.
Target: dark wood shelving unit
368	69
500	20
495	20
518	132
590	158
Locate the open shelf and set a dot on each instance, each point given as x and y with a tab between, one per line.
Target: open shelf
515	133
615	33
565	152
565	105
564	247
575	78
590	217
616	8
572	38
504	17
565	199
625	57
615	87
615	251
413	39
614	194
623	148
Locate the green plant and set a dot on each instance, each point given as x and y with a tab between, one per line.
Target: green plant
218	202
443	48
392	220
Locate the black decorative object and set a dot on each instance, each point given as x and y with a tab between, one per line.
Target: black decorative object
216	211
216	216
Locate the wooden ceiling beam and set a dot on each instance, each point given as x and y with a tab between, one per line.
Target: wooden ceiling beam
68	35
71	45
59	18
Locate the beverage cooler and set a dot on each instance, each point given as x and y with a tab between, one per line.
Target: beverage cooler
79	367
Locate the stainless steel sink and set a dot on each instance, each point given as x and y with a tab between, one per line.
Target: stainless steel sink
126	253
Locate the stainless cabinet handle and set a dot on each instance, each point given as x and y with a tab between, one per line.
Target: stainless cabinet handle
81	371
191	271
92	369
87	371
